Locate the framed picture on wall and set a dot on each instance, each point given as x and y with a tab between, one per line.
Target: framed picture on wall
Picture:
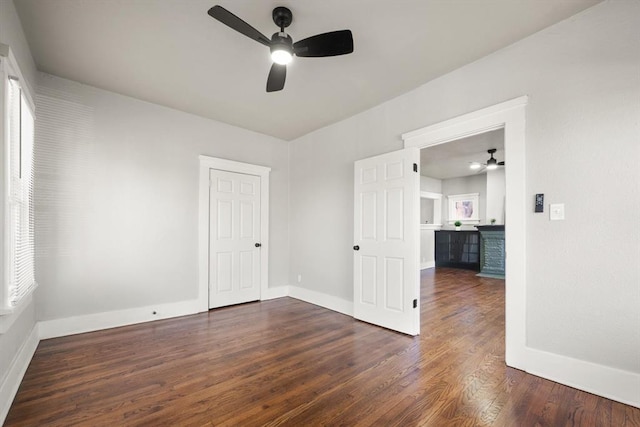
464	208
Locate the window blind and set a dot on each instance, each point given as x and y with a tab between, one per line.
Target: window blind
20	196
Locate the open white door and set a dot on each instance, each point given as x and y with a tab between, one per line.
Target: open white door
386	281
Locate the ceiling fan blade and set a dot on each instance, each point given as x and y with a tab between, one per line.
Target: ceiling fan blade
326	44
232	21
500	163
277	76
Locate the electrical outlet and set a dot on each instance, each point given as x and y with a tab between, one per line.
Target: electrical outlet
299	278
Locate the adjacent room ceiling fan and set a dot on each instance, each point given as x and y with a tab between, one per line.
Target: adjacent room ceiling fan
281	44
492	164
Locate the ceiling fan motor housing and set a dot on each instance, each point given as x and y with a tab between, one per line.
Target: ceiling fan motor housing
281	41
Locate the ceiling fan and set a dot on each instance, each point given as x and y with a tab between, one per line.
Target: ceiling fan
492	163
281	44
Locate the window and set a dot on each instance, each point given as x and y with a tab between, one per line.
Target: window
19	279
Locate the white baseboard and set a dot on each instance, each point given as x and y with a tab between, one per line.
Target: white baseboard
323	300
113	319
277	292
614	384
17	369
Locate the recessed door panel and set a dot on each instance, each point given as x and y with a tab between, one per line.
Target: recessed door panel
394	211
225	219
369	175
247	220
224	185
393	279
224	271
368	212
369	280
246	269
394	170
247	188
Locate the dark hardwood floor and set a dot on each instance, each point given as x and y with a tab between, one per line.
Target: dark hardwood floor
286	362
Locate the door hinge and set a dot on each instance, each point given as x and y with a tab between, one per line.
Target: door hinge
415	303
415	167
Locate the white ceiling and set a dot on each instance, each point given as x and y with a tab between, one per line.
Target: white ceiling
452	160
170	52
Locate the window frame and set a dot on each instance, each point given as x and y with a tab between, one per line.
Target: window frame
9	70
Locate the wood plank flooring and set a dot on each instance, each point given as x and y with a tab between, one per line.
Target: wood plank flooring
286	362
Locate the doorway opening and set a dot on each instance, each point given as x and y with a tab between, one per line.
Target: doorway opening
456	185
509	117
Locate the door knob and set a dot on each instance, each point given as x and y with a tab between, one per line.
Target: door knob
356	248
258	245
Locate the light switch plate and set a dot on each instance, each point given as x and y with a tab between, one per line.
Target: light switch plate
556	211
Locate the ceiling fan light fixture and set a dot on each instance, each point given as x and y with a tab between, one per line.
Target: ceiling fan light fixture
281	56
281	48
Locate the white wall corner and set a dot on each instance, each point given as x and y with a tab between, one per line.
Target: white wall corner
16	371
113	319
323	300
615	384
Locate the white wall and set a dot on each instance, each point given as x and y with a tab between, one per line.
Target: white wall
582	77
429	184
117	199
427	248
495	195
426	211
12	35
15	329
465	185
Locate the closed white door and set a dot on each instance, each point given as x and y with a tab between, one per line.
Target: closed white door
386	241
234	233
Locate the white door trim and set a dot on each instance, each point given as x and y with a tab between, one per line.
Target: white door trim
509	115
207	163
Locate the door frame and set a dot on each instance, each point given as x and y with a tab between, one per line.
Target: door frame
207	163
509	115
